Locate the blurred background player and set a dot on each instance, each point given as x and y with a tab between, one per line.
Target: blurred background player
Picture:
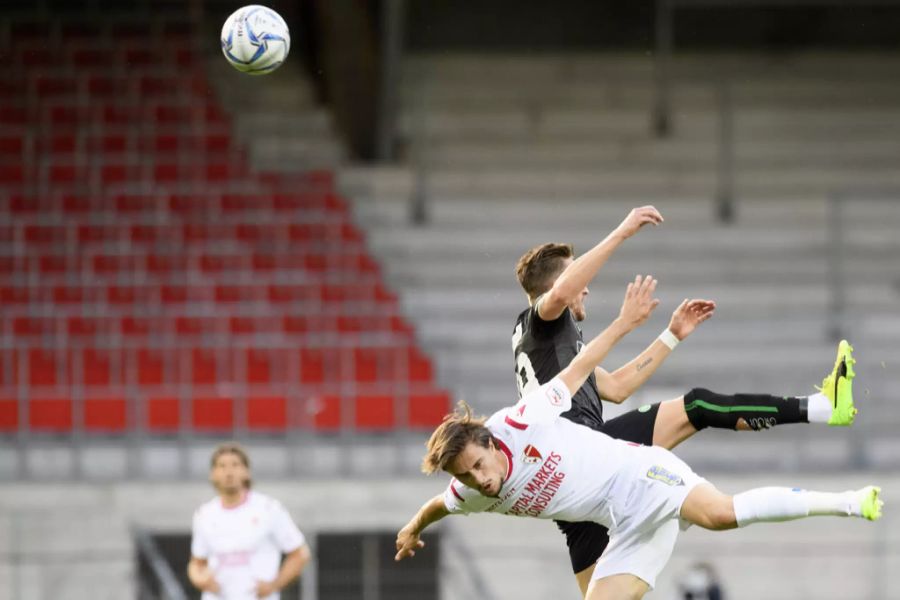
239	536
547	337
700	582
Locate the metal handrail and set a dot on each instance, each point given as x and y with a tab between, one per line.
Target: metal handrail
170	589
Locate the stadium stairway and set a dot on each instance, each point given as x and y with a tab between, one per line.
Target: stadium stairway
523	150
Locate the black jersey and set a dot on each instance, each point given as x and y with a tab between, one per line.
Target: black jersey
543	349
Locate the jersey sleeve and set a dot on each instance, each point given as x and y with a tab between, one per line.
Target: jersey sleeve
543	405
462	500
199	546
287	536
538	327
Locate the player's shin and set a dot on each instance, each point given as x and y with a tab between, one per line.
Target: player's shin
754	411
774	504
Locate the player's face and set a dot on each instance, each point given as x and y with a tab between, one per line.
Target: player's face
229	474
482	469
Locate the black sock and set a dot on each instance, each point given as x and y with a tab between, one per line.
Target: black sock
760	411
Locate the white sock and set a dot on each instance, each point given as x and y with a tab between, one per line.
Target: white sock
818	408
774	504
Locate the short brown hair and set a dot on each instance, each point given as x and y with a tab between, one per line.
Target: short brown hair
450	438
231	448
539	267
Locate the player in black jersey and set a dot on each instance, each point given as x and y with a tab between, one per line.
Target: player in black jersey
547	337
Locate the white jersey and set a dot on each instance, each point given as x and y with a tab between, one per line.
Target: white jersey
243	544
559	469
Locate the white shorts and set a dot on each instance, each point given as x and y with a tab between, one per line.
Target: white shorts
642	540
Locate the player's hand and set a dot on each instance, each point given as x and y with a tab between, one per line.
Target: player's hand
639	301
265	588
689	315
407	543
637	218
207	582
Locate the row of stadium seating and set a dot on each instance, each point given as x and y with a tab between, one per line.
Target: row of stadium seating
153	282
386	364
309	324
262	410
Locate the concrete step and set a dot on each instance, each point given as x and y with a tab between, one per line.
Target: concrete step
602	154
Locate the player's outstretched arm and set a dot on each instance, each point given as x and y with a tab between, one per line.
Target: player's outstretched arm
637	307
582	271
619	385
408	538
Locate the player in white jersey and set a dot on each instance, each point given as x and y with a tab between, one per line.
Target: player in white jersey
239	536
527	461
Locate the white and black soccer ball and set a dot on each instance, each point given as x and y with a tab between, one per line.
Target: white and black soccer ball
255	40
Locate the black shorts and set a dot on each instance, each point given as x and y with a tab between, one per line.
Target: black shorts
587	540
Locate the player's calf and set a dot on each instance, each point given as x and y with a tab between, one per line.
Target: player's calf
832	405
705	408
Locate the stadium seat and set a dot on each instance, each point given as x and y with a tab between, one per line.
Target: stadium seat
43	368
108	414
150	366
9	414
99	367
374	412
163	414
203	365
50	414
259	366
326	412
212	413
267	413
428	410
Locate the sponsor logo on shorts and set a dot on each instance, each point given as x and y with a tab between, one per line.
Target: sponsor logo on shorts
662	474
555	396
531	455
645	408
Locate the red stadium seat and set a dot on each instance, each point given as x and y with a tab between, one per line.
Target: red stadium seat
419	366
50	413
374	412
428	410
162	265
107	415
259	366
327	413
212	413
204	363
25	327
9	414
43	367
198	326
267	413
163	414
99	367
151	366
10	295
54	264
373	364
320	365
88	327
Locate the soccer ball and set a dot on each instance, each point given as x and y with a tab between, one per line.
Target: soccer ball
255	40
